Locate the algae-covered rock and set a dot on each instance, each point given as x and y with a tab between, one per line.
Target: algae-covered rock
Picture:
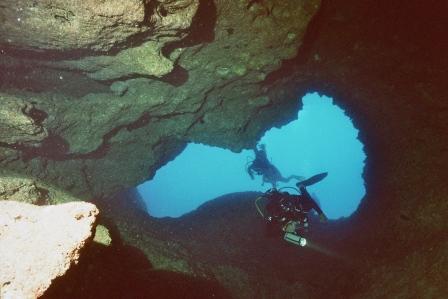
23	190
119	88
87	25
68	25
182	77
102	235
20	122
145	60
31	190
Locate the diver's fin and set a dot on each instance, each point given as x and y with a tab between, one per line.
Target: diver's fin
313	180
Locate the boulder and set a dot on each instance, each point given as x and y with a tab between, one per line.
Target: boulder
39	244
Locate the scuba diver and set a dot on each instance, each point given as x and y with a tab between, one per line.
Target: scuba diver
288	213
261	166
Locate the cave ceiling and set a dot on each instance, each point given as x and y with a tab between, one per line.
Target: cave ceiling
99	95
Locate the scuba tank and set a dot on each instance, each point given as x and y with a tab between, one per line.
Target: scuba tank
282	210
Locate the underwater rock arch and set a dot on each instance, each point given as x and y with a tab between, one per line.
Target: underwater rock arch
385	64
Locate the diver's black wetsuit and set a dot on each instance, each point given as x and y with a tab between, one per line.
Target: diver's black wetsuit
283	207
261	161
290	212
283	204
262	166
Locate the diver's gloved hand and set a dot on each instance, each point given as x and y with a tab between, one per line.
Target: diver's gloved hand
323	218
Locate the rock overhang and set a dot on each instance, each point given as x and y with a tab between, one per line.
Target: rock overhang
223	73
89	26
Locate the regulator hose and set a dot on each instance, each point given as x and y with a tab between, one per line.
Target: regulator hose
257	200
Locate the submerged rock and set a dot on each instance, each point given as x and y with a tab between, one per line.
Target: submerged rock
23	190
64	25
119	88
189	71
20	122
39	244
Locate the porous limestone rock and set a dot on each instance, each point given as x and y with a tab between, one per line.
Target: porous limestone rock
119	88
179	88
39	244
83	25
23	190
131	34
20	122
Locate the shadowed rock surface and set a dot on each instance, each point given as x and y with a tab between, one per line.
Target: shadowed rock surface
39	244
88	125
224	248
124	271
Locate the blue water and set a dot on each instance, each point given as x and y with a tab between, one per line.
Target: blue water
322	139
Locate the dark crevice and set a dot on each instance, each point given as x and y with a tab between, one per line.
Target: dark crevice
38	116
43	196
56	148
141	122
162	11
53	147
202	29
177	77
289	66
150	8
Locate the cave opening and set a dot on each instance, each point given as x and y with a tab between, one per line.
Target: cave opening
321	139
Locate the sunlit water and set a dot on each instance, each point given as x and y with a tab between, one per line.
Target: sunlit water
323	139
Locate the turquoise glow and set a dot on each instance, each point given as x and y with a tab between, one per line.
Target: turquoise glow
322	139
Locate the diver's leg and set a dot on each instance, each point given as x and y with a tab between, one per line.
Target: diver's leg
296	177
